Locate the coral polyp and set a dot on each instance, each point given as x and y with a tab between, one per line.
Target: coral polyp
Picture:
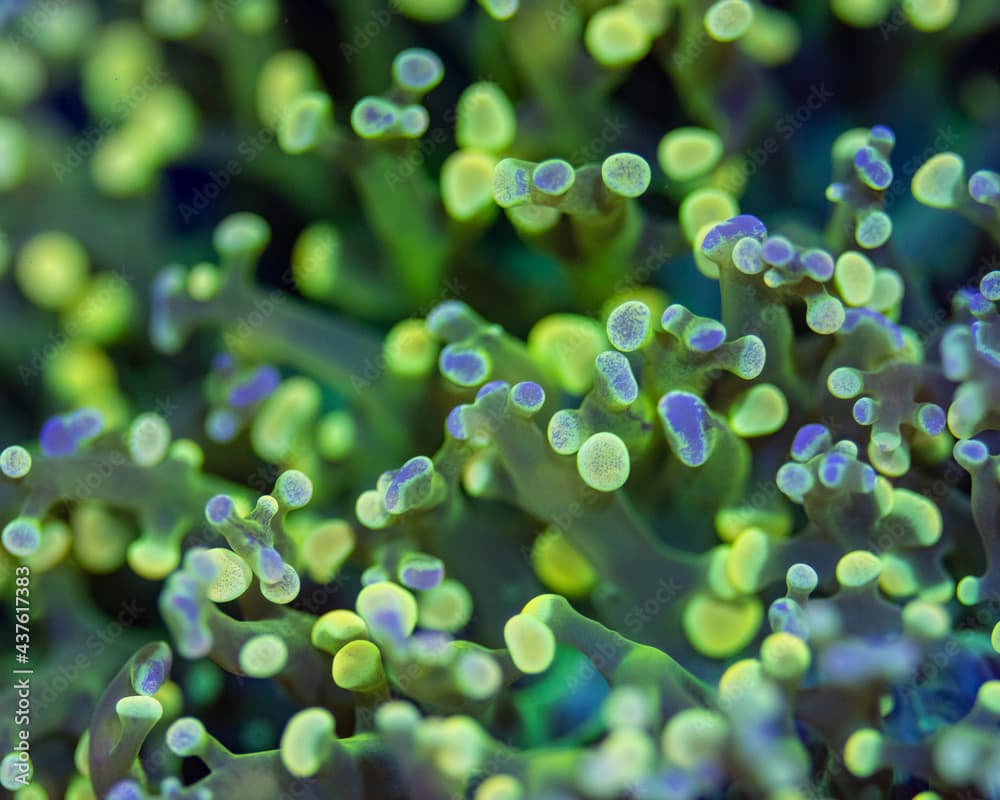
511	400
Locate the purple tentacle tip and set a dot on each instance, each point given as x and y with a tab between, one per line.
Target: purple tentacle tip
490	387
731	231
933	419
455	424
126	789
811	440
464	367
833	469
261	384
777	251
154	673
219	509
688	425
708	337
423	574
272	566
877	173
989	286
818	265
986	336
971	452
223	363
56	438
882	133
856	316
553	177
528	395
985	187
85	424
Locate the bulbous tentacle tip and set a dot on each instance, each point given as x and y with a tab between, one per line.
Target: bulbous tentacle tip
243	235
689	426
417	70
723	237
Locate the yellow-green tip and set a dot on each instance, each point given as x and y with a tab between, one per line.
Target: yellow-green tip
478	676
429	10
446	607
139	709
939	181
336	434
988	697
773	37
148	438
530	642
719	628
854	277
739	679
565	346
467	184
560	566
863	752
357	667
500	787
784	656
306	122
921	515
283	77
325	548
603	462
485	119
616	37
410	350
336	628
263	656
858	568
728	20
967	590
232	575
760	411
306	741
861	13
377	601
688	153
316	260
930	15
705	207
694	737
746	559
52	270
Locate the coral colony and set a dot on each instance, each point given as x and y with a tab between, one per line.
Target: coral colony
436	399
